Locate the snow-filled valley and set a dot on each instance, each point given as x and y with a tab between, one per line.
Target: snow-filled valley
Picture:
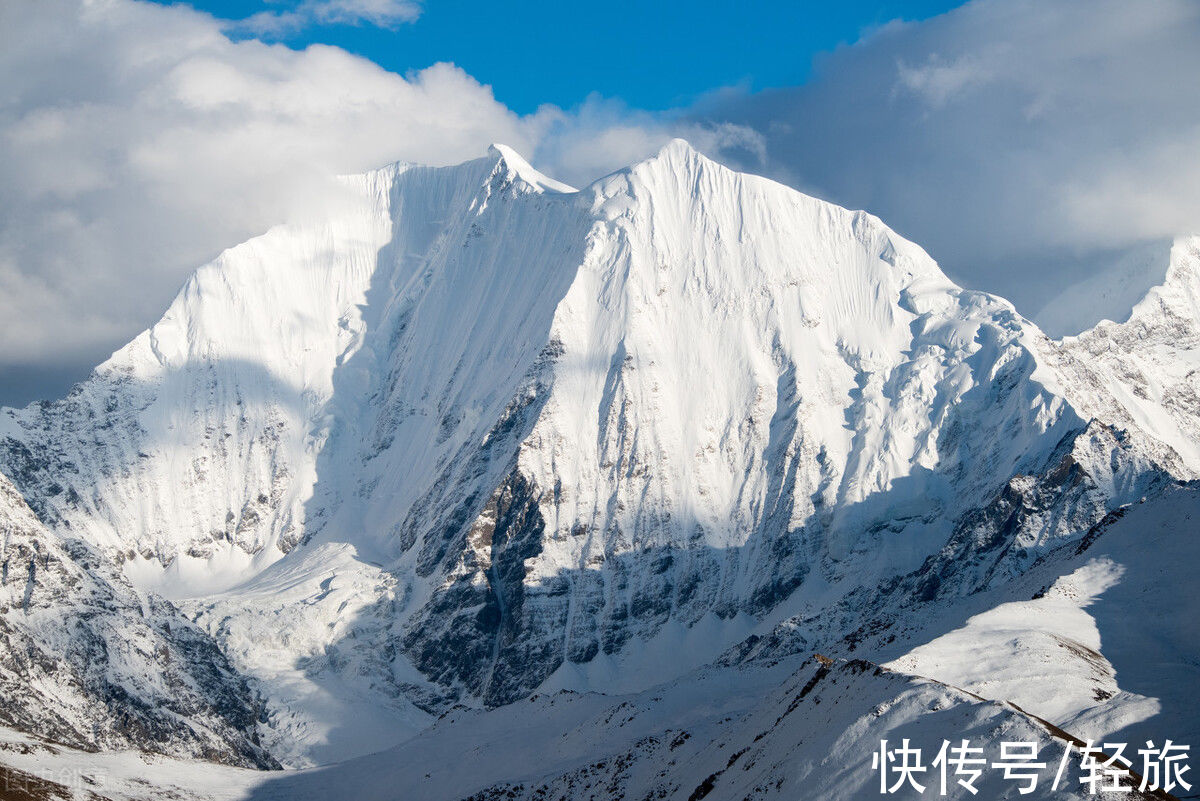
489	487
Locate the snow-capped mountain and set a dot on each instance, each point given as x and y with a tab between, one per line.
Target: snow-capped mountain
481	435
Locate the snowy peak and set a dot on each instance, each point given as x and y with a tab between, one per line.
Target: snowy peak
675	162
513	165
1179	294
680	173
677	155
828	268
745	385
1144	374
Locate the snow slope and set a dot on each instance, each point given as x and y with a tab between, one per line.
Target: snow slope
721	734
1100	636
786	732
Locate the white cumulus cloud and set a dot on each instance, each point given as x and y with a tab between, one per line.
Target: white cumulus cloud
138	141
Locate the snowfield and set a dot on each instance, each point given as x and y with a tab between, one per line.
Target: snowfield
488	487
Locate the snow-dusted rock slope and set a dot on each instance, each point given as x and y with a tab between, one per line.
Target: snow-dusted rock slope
719	735
86	661
481	434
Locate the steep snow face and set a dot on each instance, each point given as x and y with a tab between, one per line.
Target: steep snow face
480	432
749	390
86	661
736	353
426	409
196	446
193	444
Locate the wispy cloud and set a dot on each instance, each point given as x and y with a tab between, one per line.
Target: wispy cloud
388	14
938	81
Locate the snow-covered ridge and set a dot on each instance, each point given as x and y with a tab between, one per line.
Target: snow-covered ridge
516	167
481	433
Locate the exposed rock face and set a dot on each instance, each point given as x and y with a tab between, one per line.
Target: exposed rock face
477	630
483	433
86	662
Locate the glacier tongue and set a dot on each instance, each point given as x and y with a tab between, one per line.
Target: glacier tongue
480	433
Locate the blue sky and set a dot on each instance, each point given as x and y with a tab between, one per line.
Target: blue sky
651	55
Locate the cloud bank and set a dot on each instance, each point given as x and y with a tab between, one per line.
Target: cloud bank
138	141
1027	144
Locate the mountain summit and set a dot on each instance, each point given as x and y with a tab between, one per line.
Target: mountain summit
482	434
